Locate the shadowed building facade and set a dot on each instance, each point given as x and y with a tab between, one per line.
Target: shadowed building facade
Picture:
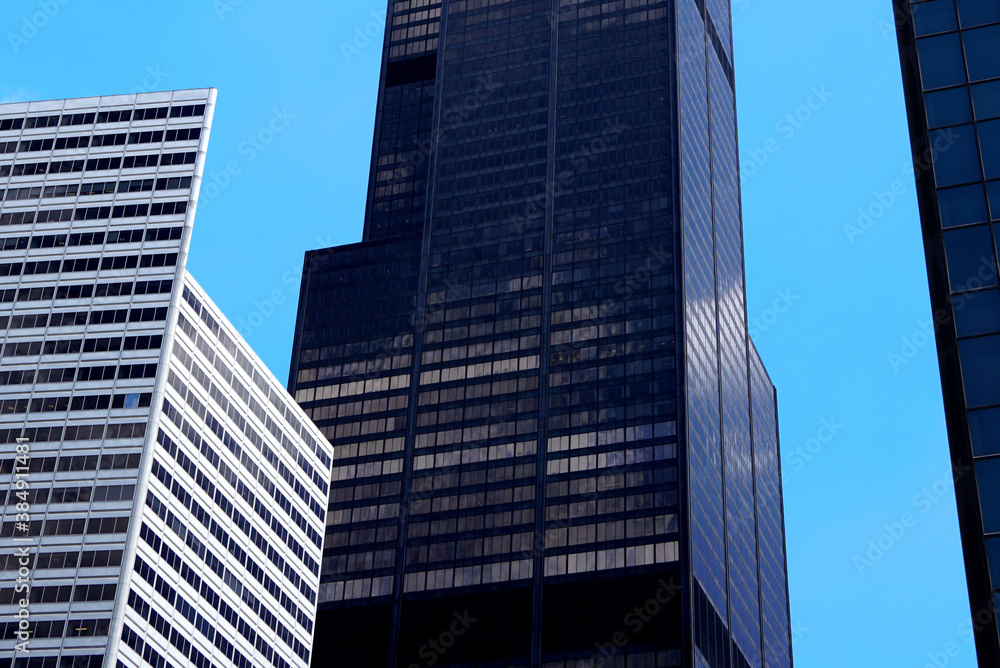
554	441
950	52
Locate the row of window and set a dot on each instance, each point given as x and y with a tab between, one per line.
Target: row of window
235	583
73	346
95	213
91	402
117	462
69	494
120	139
68	375
246	561
88	118
62	594
79	264
79	432
98	164
60	560
98	188
87	238
65	661
57	628
86	291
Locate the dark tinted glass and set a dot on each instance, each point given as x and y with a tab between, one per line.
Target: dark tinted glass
978	12
993	188
956	156
948	107
985	428
933	17
988	477
979	313
987	100
993	552
982	53
989	143
961	206
941	62
980	370
970	258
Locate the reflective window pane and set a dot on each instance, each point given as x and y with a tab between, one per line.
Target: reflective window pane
978	313
980	371
984	426
934	17
988	478
982	53
948	107
962	206
970	258
941	62
989	143
993	552
986	98
956	156
993	188
978	12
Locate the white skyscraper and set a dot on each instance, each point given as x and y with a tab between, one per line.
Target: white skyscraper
164	498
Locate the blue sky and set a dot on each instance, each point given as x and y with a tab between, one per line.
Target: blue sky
840	300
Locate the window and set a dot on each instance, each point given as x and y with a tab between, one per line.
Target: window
941	61
956	156
978	313
948	107
971	263
982	53
984	426
980	370
986	100
989	142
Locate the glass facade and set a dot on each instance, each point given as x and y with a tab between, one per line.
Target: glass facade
951	67
524	475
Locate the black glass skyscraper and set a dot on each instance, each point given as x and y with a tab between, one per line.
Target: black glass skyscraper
951	71
555	444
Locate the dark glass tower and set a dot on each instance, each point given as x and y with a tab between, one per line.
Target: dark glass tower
951	71
555	444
